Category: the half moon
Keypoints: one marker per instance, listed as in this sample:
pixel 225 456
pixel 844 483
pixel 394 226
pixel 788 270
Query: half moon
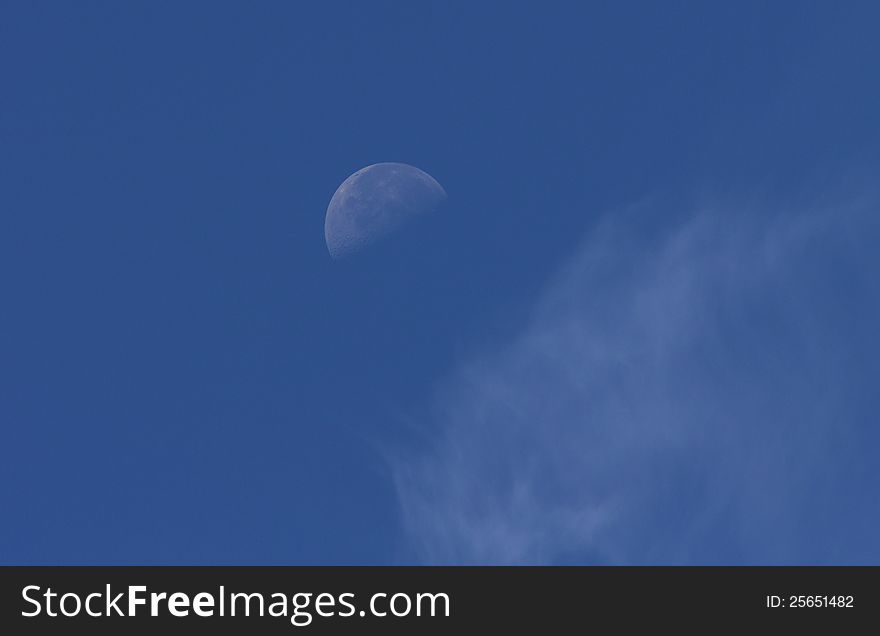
pixel 375 202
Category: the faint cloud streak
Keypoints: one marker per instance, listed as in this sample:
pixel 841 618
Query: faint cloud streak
pixel 673 398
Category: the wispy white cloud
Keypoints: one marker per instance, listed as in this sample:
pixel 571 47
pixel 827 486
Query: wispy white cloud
pixel 674 398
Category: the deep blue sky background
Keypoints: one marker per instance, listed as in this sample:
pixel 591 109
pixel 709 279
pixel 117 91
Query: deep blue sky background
pixel 185 375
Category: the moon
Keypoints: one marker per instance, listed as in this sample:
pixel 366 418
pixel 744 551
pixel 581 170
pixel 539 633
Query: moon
pixel 375 202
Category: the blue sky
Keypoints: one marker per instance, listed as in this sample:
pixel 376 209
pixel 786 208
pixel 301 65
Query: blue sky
pixel 642 330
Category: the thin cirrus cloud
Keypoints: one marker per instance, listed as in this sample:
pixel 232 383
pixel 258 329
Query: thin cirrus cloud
pixel 691 395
